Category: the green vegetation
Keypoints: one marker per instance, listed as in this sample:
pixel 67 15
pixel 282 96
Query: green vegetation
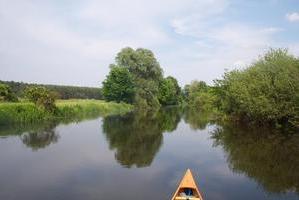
pixel 169 92
pixel 25 112
pixel 267 91
pixel 64 92
pixel 41 97
pixel 6 94
pixel 200 96
pixel 119 85
pixel 140 81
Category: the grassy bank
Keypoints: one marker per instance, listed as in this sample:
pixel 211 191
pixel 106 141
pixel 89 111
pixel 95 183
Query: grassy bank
pixel 25 112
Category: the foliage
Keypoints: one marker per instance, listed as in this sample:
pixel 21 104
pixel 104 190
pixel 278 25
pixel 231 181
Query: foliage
pixel 146 95
pixel 64 92
pixel 29 113
pixel 195 88
pixel 147 77
pixel 267 91
pixel 119 85
pixel 200 96
pixel 169 92
pixel 141 63
pixel 41 97
pixel 185 92
pixel 90 108
pixel 6 94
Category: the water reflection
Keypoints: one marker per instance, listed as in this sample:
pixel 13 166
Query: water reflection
pixel 196 119
pixel 81 157
pixel 271 158
pixel 34 136
pixel 40 138
pixel 137 137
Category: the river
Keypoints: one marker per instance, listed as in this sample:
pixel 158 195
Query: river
pixel 143 156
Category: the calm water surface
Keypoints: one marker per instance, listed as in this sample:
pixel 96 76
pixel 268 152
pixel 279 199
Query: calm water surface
pixel 144 156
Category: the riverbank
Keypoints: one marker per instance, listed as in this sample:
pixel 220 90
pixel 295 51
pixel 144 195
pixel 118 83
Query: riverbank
pixel 25 112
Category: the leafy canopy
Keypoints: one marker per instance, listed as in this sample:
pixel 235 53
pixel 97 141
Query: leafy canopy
pixel 119 85
pixel 147 77
pixel 169 91
pixel 268 90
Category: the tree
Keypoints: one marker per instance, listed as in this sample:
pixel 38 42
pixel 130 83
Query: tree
pixel 141 63
pixel 169 91
pixel 267 91
pixel 42 97
pixel 119 85
pixel 146 73
pixel 6 94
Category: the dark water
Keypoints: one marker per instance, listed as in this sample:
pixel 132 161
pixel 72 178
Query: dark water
pixel 143 156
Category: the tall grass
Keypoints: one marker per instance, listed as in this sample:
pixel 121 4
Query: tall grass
pixel 24 112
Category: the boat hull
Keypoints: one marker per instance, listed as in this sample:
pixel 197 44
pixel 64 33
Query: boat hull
pixel 187 188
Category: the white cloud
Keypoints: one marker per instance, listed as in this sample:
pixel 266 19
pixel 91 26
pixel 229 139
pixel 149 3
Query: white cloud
pixel 42 40
pixel 226 46
pixel 293 17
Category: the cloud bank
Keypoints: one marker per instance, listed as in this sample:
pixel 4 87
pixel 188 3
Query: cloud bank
pixel 73 42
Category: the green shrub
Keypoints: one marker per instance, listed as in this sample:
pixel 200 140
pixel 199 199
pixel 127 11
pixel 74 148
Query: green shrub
pixel 6 94
pixel 267 91
pixel 41 97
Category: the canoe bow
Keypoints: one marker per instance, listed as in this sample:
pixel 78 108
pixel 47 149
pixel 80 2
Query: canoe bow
pixel 187 182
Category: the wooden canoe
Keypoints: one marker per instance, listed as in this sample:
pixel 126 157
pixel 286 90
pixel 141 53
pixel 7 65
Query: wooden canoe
pixel 187 185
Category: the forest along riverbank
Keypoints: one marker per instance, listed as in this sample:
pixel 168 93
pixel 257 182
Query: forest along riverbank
pixel 26 112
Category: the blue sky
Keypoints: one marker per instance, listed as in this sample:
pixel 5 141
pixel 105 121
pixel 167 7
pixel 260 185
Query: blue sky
pixel 73 42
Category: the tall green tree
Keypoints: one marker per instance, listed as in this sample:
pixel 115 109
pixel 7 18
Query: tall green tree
pixel 146 74
pixel 119 85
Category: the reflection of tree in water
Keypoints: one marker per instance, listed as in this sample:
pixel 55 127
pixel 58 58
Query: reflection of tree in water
pixel 197 119
pixel 169 118
pixel 41 137
pixel 268 157
pixel 137 137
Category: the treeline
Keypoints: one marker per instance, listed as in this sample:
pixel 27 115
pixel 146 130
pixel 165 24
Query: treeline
pixel 266 92
pixel 63 92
